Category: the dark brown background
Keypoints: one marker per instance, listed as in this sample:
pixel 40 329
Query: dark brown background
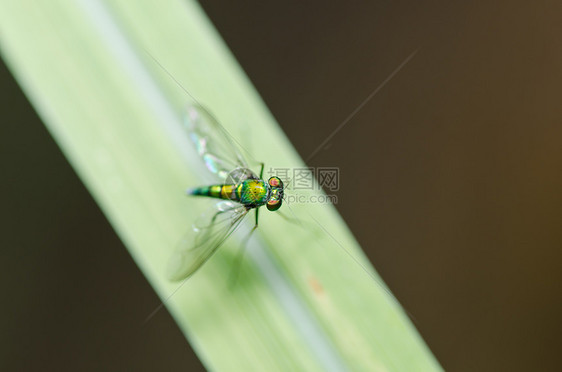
pixel 451 182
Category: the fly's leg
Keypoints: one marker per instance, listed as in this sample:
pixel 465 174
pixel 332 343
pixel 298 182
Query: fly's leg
pixel 261 178
pixel 235 271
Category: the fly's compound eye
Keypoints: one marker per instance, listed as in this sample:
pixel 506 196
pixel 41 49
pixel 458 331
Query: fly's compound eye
pixel 276 196
pixel 275 182
pixel 274 204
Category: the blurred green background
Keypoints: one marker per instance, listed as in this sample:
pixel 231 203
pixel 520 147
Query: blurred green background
pixel 450 180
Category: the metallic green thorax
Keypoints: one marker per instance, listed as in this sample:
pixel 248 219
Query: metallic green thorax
pixel 250 192
pixel 253 192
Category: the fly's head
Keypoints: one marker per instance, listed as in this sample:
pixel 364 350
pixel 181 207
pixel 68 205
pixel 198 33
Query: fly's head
pixel 275 193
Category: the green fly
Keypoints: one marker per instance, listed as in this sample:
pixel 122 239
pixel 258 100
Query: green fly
pixel 239 189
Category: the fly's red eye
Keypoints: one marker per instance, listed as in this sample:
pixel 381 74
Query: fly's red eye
pixel 273 182
pixel 274 204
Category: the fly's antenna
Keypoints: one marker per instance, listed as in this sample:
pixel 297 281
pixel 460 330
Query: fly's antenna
pixel 195 100
pixel 171 76
pixel 286 187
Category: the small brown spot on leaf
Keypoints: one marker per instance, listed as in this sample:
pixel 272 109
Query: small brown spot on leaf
pixel 315 285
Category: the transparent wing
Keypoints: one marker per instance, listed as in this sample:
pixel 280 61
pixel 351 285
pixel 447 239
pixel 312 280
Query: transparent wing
pixel 208 234
pixel 238 175
pixel 215 146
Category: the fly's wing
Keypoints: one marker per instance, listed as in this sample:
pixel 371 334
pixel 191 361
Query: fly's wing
pixel 215 146
pixel 238 175
pixel 208 234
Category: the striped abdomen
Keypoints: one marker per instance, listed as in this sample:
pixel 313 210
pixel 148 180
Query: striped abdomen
pixel 250 192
